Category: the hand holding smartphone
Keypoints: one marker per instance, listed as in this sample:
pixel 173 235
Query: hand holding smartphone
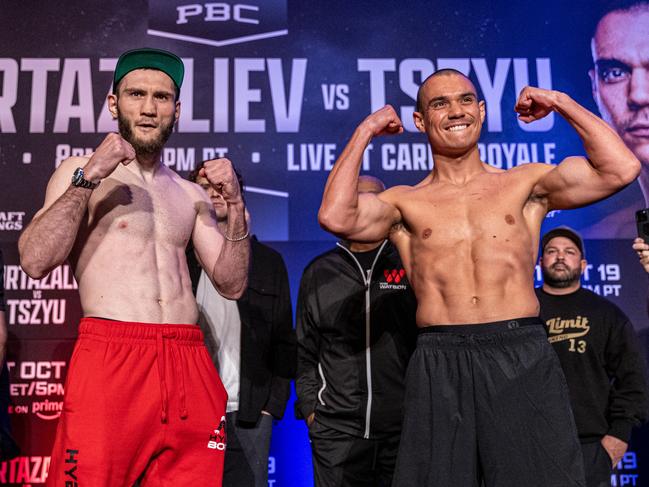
pixel 642 222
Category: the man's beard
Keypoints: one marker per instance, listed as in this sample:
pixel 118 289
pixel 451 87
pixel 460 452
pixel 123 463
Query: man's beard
pixel 143 148
pixel 560 280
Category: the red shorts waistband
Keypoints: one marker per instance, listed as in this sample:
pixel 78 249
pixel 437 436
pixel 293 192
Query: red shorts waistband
pixel 100 327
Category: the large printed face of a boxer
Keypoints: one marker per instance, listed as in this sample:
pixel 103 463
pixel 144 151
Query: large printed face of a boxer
pixel 451 114
pixel 620 78
pixel 561 263
pixel 146 109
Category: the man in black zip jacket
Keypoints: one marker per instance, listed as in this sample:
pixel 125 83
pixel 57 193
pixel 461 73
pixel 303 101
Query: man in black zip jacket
pixel 599 354
pixel 356 331
pixel 252 343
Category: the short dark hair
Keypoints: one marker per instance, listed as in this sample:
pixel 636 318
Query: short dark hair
pixel 605 7
pixel 439 72
pixel 193 176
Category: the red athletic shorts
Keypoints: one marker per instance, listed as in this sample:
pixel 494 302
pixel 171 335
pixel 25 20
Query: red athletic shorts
pixel 141 400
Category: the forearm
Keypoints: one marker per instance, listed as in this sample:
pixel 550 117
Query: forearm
pixel 230 272
pixel 338 210
pixel 48 239
pixel 606 151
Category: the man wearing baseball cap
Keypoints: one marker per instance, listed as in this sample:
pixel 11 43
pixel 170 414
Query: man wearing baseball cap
pixel 143 399
pixel 599 355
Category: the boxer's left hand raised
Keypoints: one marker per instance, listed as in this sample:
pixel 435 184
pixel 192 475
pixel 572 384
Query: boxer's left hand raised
pixel 535 103
pixel 221 175
pixel 384 121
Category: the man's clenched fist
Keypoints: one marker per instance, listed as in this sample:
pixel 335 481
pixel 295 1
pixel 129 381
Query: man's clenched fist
pixel 221 175
pixel 112 151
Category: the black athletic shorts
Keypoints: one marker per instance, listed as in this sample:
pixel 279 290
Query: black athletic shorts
pixel 487 404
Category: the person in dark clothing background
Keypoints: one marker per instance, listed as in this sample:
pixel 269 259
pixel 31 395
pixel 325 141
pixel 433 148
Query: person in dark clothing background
pixel 8 446
pixel 599 353
pixel 252 343
pixel 356 331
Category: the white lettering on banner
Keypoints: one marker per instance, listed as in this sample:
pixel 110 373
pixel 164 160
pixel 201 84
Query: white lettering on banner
pixel 312 157
pixel 605 289
pixel 36 388
pixel 604 273
pixel 11 220
pixel 186 123
pixel 544 80
pixel 61 278
pixel 76 78
pixel 218 12
pixel 63 151
pixel 254 79
pixel 335 96
pixel 106 122
pixel 492 90
pixel 287 116
pixel 492 87
pixel 24 470
pixel 621 475
pixel 213 153
pixel 410 86
pixel 508 155
pixel 40 379
pixel 180 158
pixel 406 157
pixel 47 409
pixel 9 94
pixel 37 370
pixel 36 311
pixel 415 156
pixel 377 69
pixel 39 69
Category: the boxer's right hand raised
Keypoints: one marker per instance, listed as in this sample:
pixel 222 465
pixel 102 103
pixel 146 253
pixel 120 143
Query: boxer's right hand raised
pixel 383 122
pixel 112 151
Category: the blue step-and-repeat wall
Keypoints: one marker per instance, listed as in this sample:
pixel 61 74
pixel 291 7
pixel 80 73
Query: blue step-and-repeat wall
pixel 278 86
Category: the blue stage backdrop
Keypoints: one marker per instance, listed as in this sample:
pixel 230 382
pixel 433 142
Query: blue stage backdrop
pixel 278 86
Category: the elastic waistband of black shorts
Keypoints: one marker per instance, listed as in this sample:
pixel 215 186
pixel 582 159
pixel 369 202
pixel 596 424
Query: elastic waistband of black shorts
pixel 483 328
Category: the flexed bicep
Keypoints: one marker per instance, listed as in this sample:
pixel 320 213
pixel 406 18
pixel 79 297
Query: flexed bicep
pixel 574 183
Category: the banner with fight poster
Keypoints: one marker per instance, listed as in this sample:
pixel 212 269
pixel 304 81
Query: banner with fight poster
pixel 278 87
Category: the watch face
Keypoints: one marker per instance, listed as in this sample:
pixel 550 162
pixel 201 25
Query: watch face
pixel 77 177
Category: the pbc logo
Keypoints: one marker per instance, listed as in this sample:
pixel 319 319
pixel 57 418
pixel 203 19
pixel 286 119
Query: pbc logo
pixel 217 440
pixel 218 23
pixel 394 275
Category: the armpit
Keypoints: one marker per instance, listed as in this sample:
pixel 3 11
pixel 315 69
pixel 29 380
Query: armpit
pixel 398 227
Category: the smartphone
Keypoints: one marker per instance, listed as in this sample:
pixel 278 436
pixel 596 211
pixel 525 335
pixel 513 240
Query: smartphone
pixel 642 222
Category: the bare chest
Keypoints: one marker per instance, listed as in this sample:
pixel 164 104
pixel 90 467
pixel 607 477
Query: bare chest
pixel 446 216
pixel 136 212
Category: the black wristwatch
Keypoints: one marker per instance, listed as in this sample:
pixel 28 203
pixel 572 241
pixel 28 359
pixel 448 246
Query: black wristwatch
pixel 79 181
